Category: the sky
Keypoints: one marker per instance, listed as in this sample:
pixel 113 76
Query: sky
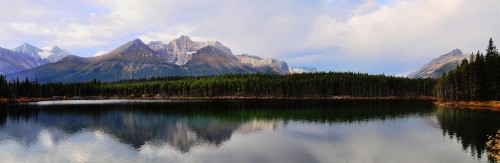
pixel 393 37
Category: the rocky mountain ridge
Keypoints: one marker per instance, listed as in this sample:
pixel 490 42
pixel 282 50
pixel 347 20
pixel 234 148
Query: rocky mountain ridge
pixel 134 60
pixel 438 66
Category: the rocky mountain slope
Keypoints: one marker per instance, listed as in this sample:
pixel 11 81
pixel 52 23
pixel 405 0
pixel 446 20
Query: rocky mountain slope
pixel 437 66
pixel 267 65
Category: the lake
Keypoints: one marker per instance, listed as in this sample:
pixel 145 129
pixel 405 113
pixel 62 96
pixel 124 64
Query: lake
pixel 244 131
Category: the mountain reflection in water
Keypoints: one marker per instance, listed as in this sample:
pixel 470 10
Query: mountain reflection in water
pixel 185 131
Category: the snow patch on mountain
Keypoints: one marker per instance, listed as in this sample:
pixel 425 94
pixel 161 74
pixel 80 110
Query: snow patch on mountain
pixel 45 53
pixel 99 53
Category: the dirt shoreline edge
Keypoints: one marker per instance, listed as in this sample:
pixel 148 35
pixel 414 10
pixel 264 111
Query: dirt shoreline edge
pixel 60 98
pixel 495 105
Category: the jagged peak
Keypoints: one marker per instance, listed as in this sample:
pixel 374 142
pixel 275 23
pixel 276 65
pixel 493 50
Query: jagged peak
pixel 452 54
pixel 251 56
pixel 137 40
pixel 456 52
pixel 184 37
pixel 26 46
pixel 133 43
pixel 155 42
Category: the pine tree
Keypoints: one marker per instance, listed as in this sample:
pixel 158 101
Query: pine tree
pixel 492 73
pixel 479 90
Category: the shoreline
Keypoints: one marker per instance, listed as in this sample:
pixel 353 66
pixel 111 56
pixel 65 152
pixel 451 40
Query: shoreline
pixel 493 105
pixel 63 98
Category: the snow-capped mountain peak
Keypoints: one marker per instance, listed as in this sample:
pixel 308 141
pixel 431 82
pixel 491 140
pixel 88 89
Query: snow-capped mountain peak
pixel 28 49
pixel 43 55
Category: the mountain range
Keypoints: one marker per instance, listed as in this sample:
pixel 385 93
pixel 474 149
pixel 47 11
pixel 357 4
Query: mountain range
pixel 179 57
pixel 444 63
pixel 135 60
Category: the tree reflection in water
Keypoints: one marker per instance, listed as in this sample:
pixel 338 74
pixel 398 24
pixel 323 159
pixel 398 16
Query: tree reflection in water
pixel 470 127
pixel 184 126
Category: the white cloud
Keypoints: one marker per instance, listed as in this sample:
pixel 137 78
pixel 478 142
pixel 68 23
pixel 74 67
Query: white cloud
pixel 410 32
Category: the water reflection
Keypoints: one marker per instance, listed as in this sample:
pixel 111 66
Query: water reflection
pixel 470 127
pixel 236 131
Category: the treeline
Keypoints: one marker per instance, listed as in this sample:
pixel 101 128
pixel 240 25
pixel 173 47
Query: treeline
pixel 476 79
pixel 313 85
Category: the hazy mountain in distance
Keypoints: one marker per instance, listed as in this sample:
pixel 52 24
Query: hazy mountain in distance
pixel 444 63
pixel 28 56
pixel 265 65
pixel 11 61
pixel 299 70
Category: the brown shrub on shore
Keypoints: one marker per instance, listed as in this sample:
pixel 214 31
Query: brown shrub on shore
pixel 493 146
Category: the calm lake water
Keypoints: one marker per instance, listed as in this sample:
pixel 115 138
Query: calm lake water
pixel 244 131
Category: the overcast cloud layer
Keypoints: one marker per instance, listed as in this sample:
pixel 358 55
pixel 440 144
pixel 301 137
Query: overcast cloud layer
pixel 374 36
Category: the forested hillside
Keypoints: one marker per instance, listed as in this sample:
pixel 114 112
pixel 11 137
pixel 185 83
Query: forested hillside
pixel 475 80
pixel 311 85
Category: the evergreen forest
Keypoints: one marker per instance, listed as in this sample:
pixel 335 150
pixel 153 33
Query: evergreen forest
pixel 308 85
pixel 476 79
